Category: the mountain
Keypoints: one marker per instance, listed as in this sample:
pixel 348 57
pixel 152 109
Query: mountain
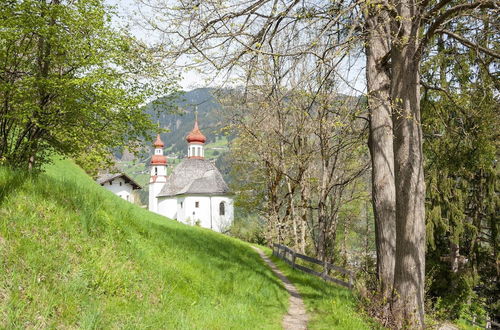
pixel 180 121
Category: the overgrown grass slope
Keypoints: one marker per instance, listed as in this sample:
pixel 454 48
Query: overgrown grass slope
pixel 74 255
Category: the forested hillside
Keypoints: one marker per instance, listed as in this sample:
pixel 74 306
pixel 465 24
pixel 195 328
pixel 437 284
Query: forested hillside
pixel 179 121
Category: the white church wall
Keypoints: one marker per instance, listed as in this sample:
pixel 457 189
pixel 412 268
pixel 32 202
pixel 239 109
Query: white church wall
pixel 197 210
pixel 120 188
pixel 154 190
pixel 181 209
pixel 222 222
pixel 156 186
pixel 204 211
pixel 168 207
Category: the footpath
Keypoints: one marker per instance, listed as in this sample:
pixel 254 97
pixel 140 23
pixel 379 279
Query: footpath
pixel 296 318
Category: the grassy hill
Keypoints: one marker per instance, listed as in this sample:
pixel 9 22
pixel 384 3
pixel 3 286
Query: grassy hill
pixel 74 255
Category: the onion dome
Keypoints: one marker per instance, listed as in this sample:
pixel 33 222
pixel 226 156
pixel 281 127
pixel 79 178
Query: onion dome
pixel 158 142
pixel 196 135
pixel 158 160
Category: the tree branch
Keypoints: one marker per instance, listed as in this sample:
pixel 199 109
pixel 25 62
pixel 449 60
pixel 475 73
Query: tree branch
pixel 450 13
pixel 468 43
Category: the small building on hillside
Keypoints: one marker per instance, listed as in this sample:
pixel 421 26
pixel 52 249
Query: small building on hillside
pixel 121 185
pixel 195 193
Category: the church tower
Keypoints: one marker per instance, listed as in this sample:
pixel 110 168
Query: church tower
pixel 158 174
pixel 196 141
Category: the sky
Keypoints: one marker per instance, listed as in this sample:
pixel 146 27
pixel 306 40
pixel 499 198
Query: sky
pixel 128 11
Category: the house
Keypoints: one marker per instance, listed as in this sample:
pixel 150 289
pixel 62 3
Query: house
pixel 120 184
pixel 195 193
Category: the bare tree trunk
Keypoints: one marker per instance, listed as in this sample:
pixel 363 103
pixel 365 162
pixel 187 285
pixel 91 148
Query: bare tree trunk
pixel 381 148
pixel 293 213
pixel 408 304
pixel 306 212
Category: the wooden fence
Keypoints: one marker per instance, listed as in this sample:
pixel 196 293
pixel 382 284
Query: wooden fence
pixel 290 257
pixel 489 324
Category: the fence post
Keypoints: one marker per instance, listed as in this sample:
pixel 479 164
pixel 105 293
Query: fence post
pixel 325 270
pixel 293 259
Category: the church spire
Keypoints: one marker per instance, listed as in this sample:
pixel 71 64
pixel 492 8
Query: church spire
pixel 158 175
pixel 158 157
pixel 196 140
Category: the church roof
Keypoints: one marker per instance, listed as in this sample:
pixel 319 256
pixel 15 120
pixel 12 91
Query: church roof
pixel 194 176
pixel 103 178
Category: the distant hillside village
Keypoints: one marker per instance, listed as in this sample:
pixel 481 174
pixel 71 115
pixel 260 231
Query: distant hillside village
pixel 194 193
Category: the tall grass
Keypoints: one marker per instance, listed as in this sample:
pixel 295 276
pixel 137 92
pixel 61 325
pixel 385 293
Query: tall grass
pixel 74 255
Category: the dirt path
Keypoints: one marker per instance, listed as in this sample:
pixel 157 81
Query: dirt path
pixel 296 318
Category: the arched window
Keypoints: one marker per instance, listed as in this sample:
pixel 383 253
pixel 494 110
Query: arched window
pixel 222 208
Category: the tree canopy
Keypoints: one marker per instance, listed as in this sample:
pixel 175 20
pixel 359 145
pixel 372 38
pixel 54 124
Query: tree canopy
pixel 71 83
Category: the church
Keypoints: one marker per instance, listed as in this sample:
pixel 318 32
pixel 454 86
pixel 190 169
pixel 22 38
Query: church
pixel 195 193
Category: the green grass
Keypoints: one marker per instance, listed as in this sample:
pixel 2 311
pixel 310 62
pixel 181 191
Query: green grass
pixel 73 255
pixel 329 306
pixel 466 325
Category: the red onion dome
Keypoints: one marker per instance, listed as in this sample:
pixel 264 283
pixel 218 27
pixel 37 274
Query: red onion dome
pixel 158 142
pixel 196 135
pixel 158 160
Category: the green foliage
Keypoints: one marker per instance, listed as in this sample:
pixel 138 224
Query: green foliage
pixel 461 150
pixel 74 255
pixel 250 229
pixel 71 83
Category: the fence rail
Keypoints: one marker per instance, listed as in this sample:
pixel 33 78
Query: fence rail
pixel 289 256
pixel 489 323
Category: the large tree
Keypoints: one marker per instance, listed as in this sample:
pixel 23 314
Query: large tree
pixel 70 83
pixel 396 35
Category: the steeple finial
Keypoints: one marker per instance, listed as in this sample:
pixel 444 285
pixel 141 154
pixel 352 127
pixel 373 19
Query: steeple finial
pixel 196 135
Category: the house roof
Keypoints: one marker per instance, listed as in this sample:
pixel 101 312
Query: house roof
pixel 103 178
pixel 194 176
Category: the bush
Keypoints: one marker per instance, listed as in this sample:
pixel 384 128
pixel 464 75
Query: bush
pixel 249 229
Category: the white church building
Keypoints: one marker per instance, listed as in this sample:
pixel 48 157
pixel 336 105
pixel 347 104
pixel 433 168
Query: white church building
pixel 195 192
